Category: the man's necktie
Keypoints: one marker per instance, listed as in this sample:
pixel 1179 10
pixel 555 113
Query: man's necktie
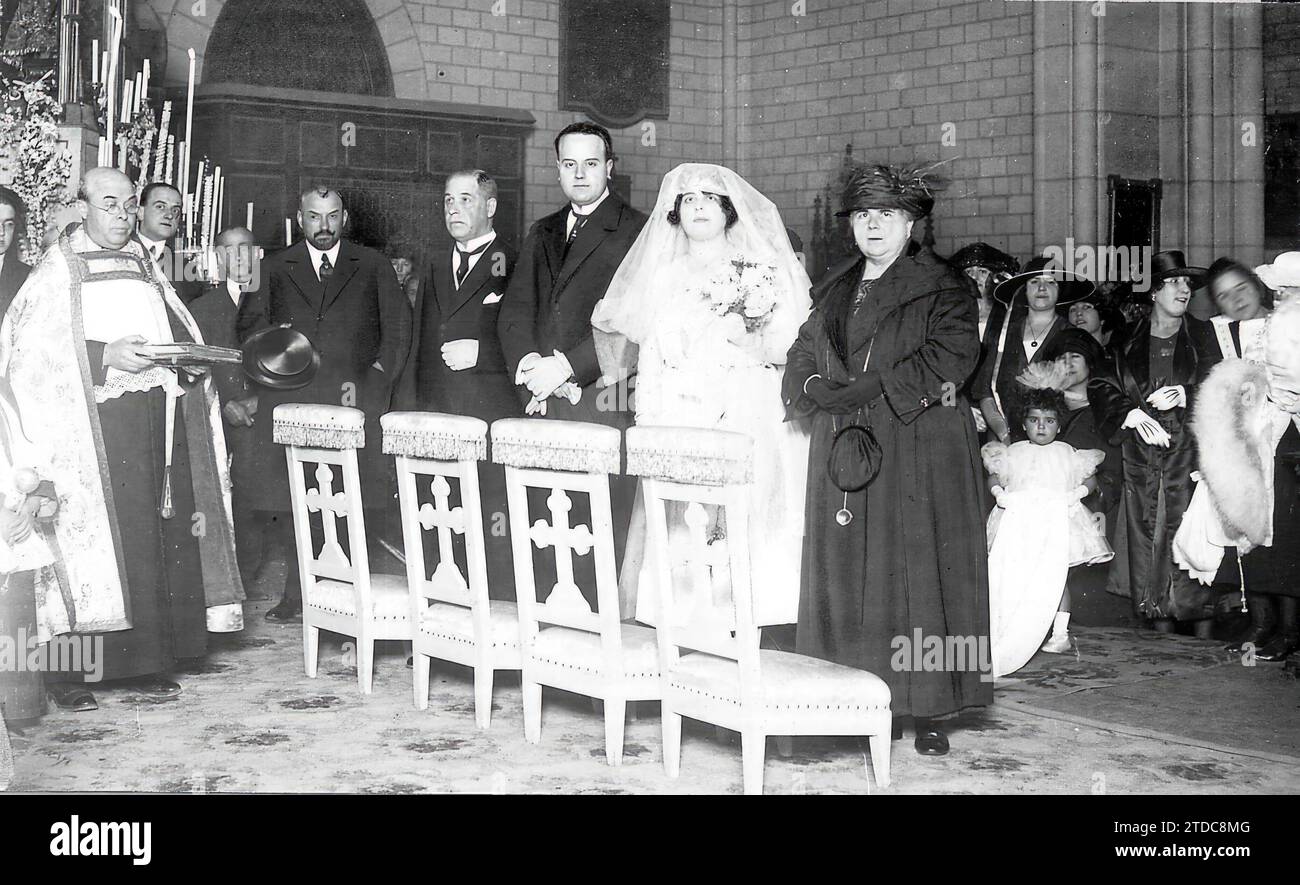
pixel 326 269
pixel 578 222
pixel 462 261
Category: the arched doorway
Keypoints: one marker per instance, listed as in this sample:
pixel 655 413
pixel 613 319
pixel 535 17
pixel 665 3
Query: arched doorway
pixel 321 45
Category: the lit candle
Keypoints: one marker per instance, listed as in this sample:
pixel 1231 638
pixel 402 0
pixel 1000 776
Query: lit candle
pixel 144 77
pixel 163 139
pixel 248 217
pixel 94 61
pixel 288 232
pixel 189 120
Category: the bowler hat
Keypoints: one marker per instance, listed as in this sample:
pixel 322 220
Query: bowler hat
pixel 1173 263
pixel 281 358
pixel 1071 287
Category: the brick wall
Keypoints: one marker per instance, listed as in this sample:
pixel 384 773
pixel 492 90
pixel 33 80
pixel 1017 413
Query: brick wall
pixel 892 77
pixel 1281 59
pixel 474 57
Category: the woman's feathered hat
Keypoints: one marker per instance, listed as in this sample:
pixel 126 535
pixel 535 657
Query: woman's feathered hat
pixel 910 187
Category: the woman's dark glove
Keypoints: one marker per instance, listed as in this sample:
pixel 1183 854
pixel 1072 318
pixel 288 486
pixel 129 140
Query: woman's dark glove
pixel 841 399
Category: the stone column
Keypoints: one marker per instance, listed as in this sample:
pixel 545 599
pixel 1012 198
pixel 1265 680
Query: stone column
pixel 1248 133
pixel 1084 110
pixel 1199 113
pixel 730 88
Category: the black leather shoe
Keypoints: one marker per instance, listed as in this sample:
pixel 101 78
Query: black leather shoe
pixel 1257 636
pixel 896 731
pixel 284 610
pixel 155 686
pixel 73 698
pixel 1278 649
pixel 931 742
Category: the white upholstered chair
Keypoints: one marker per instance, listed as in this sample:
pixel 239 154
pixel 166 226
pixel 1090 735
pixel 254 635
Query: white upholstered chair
pixel 338 592
pixel 453 617
pixel 713 668
pixel 566 644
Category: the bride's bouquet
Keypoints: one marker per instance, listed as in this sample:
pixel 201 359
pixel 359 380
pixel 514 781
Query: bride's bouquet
pixel 748 290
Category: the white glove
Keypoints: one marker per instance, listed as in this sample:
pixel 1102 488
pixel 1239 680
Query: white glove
pixel 1148 429
pixel 1080 492
pixel 999 495
pixel 460 354
pixel 536 407
pixel 545 374
pixel 1166 398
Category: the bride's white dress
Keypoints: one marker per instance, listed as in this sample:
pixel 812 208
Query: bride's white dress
pixel 690 374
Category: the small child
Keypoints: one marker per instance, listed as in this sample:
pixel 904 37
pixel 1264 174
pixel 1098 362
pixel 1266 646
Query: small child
pixel 1038 530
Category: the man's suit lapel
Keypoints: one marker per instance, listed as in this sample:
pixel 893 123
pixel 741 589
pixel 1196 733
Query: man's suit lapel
pixel 601 223
pixel 303 275
pixel 550 232
pixel 348 265
pixel 480 275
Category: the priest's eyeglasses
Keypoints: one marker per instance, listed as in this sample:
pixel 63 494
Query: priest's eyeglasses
pixel 114 208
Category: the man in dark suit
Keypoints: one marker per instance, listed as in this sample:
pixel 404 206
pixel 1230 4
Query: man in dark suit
pixel 216 309
pixel 159 221
pixel 344 297
pixel 565 266
pixel 13 273
pixel 457 365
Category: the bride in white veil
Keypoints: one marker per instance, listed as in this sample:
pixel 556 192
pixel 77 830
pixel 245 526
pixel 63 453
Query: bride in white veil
pixel 703 310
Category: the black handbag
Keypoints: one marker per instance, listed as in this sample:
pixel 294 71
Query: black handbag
pixel 855 454
pixel 854 458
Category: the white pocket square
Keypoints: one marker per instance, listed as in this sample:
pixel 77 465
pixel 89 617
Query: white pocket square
pixel 492 298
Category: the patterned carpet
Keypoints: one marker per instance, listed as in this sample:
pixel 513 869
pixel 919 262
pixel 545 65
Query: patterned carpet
pixel 250 720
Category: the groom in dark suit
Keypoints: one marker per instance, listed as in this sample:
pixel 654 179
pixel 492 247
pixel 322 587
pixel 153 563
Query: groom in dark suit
pixel 565 265
pixel 456 363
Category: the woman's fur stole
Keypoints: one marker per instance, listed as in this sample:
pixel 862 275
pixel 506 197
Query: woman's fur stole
pixel 1231 425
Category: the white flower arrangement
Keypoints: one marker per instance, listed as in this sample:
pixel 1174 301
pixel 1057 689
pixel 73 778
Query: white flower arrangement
pixel 748 291
pixel 29 137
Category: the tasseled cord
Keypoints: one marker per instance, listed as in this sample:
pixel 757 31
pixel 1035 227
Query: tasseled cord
pixel 1241 574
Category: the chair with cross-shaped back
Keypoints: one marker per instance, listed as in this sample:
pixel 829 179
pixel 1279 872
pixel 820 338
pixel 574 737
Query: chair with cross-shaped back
pixel 453 617
pixel 565 643
pixel 695 484
pixel 339 593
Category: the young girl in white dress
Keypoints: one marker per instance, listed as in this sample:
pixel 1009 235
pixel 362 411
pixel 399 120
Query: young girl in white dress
pixel 704 309
pixel 1039 529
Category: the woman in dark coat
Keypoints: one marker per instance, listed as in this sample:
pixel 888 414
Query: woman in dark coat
pixel 891 343
pixel 1142 402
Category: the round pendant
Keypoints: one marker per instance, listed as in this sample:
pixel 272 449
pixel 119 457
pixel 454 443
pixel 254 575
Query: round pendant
pixel 843 516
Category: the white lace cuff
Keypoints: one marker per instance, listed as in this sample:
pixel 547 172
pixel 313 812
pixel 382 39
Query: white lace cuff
pixel 117 382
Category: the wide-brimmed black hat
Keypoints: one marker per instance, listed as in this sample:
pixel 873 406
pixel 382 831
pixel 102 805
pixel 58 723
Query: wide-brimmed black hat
pixel 986 256
pixel 1071 287
pixel 1173 263
pixel 280 358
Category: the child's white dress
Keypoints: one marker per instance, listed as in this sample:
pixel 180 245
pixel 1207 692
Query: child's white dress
pixel 1039 531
